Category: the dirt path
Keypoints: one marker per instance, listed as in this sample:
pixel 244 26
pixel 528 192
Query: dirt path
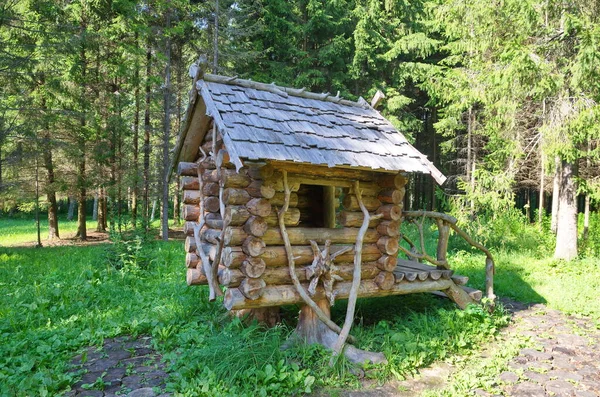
pixel 564 360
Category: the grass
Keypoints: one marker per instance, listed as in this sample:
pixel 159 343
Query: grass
pixel 55 301
pixel 16 231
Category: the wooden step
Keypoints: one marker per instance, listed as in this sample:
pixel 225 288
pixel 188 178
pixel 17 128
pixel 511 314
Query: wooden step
pixel 475 294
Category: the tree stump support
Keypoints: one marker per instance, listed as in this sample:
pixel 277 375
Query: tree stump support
pixel 314 321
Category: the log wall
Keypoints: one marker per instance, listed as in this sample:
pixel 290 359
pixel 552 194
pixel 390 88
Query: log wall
pixel 253 258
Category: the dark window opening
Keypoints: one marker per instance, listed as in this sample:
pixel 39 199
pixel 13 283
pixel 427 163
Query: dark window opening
pixel 313 214
pixel 321 204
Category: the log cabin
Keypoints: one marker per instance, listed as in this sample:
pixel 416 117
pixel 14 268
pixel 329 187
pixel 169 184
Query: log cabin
pixel 292 197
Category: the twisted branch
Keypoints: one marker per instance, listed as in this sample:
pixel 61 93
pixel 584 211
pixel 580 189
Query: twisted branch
pixel 356 276
pixel 292 265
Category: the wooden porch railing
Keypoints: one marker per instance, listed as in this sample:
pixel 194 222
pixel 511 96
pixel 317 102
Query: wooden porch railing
pixel 444 224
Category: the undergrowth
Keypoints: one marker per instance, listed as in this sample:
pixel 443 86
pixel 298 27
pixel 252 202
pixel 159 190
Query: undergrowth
pixel 51 308
pixel 54 302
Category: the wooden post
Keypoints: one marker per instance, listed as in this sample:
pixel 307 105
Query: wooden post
pixel 329 206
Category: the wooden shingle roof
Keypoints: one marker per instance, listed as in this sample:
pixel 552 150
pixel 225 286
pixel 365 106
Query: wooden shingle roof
pixel 267 122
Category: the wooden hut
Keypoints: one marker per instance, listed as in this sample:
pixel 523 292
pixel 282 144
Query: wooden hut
pixel 293 197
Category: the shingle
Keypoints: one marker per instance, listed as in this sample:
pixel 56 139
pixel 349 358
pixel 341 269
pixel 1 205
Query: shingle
pixel 266 125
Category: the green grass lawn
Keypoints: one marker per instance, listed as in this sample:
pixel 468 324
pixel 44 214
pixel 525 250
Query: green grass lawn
pixel 55 301
pixel 15 232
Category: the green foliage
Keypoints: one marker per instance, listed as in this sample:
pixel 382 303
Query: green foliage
pixel 130 252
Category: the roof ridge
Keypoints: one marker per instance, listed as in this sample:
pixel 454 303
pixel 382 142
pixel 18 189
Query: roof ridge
pixel 284 91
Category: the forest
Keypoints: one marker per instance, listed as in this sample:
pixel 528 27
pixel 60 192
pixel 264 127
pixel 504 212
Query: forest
pixel 502 96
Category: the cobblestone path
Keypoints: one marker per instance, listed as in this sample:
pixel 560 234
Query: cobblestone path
pixel 565 361
pixel 122 367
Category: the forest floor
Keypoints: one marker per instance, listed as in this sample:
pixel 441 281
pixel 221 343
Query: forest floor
pixel 563 360
pixel 116 319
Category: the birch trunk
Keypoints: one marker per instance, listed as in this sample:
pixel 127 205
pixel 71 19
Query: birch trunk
pixel 566 230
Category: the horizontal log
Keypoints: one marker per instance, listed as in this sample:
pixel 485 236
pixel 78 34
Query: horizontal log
pixel 230 178
pixel 394 181
pixel 191 197
pixel 256 226
pixel 259 207
pixel 260 189
pixel 387 263
pixel 211 204
pixel 253 246
pixel 280 295
pixel 209 249
pixel 431 271
pixel 391 212
pixel 187 169
pixel 385 280
pixel 237 214
pixel 252 267
pixel 235 196
pixel 259 172
pixel 252 288
pixel 192 260
pixel 302 236
pixel 212 236
pixel 391 196
pixel 388 245
pixel 213 220
pixel 460 280
pixel 290 218
pixel 324 171
pixel 196 277
pixel 190 212
pixel 389 228
pixel 281 275
pixel 355 219
pixel 350 203
pixel 278 199
pixel 275 256
pixel 189 183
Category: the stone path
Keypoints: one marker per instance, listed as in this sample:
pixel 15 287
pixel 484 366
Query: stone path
pixel 565 360
pixel 122 367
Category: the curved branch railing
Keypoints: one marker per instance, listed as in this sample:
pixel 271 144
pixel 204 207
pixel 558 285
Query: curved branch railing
pixel 444 223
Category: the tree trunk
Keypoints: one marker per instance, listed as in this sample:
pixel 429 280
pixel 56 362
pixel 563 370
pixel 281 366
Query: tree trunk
pixel 37 204
pixel 95 209
pixel 586 217
pixel 136 138
pixel 154 202
pixel 555 194
pixel 101 226
pixel 147 127
pixel 166 135
pixel 71 210
pixel 50 192
pixel 312 330
pixel 528 205
pixel 542 175
pixel 81 175
pixel 216 40
pixel 566 230
pixel 81 172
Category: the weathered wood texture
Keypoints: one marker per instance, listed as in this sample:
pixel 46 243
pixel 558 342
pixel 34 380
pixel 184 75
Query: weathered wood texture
pixel 287 295
pixel 301 236
pixel 281 275
pixel 274 256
